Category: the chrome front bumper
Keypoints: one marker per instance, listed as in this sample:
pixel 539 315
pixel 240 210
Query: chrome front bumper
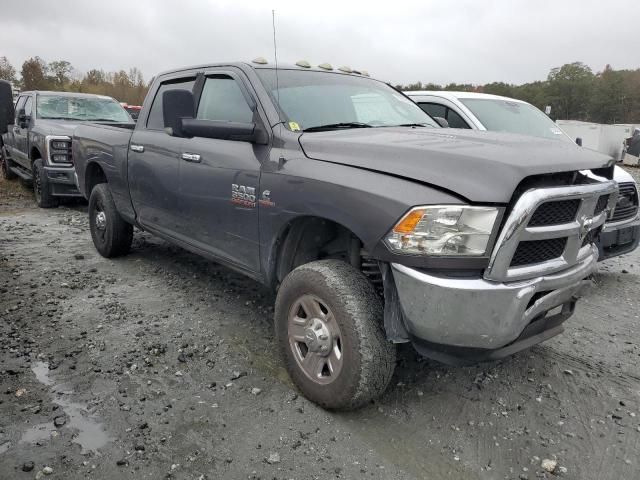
pixel 479 313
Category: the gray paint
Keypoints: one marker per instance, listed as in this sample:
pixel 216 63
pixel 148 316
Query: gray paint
pixel 479 166
pixel 21 142
pixel 363 179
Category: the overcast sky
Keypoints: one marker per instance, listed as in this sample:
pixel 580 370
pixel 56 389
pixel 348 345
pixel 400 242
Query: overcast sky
pixel 466 41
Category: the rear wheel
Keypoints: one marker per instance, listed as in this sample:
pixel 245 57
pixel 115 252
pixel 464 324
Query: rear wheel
pixel 111 234
pixel 328 323
pixel 6 164
pixel 42 187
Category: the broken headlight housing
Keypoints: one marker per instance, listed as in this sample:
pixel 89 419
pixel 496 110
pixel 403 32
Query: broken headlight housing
pixel 445 230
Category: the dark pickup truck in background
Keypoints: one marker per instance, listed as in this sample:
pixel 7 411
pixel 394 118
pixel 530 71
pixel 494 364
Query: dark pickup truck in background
pixel 37 144
pixel 374 225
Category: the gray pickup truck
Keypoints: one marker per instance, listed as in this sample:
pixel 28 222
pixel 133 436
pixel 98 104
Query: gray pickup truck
pixel 374 225
pixel 37 144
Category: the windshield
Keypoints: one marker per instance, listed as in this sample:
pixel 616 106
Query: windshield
pixel 96 109
pixel 515 117
pixel 314 100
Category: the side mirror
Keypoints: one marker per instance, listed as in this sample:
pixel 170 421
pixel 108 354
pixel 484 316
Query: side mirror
pixel 178 110
pixel 579 141
pixel 23 120
pixel 7 113
pixel 442 122
pixel 176 106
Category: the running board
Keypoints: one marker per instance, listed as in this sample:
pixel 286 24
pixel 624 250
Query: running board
pixel 23 174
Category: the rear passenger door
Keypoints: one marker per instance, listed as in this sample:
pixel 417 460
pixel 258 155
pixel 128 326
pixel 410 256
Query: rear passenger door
pixel 153 165
pixel 220 179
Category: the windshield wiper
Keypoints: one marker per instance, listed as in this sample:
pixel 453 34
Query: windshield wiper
pixel 100 120
pixel 411 125
pixel 56 118
pixel 332 126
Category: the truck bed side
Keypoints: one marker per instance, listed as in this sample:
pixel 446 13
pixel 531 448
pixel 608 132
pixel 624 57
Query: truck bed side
pixel 100 154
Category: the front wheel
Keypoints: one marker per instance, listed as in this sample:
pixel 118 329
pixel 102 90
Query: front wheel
pixel 329 326
pixel 111 234
pixel 42 187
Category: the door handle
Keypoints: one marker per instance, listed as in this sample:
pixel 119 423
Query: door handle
pixel 137 148
pixel 191 157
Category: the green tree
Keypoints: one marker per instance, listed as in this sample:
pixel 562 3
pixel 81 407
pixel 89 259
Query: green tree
pixel 7 72
pixel 606 103
pixel 34 74
pixel 499 88
pixel 569 88
pixel 60 72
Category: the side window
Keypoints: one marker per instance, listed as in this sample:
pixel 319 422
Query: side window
pixel 434 109
pixel 455 120
pixel 155 121
pixel 28 106
pixel 223 100
pixel 20 105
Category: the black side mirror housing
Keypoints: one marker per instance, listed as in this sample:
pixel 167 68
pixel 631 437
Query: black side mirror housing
pixel 7 113
pixel 442 122
pixel 176 106
pixel 23 120
pixel 579 141
pixel 178 111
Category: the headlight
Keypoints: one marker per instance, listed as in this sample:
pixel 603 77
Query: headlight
pixel 59 144
pixel 444 230
pixel 60 150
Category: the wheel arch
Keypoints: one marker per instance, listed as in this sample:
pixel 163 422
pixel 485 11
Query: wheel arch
pixel 308 238
pixel 94 175
pixel 35 154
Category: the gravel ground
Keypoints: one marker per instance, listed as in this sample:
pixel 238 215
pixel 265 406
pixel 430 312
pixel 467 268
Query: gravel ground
pixel 162 365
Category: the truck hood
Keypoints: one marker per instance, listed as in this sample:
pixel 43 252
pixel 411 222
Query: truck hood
pixel 57 127
pixel 479 166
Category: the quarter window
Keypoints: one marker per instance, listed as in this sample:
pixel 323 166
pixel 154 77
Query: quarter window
pixel 223 100
pixel 156 120
pixel 434 109
pixel 455 120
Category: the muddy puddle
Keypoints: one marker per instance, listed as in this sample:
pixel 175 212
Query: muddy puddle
pixel 90 434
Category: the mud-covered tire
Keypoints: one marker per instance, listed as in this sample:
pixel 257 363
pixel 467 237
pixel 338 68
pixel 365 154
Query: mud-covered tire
pixel 368 359
pixel 5 165
pixel 111 234
pixel 42 187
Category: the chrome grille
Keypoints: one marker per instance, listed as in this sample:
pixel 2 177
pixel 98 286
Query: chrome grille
pixel 627 204
pixel 555 213
pixel 535 251
pixel 527 248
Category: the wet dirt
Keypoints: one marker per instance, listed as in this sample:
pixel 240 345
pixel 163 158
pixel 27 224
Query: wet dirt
pixel 153 360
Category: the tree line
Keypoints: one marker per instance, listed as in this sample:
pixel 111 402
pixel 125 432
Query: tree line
pixel 572 91
pixel 59 75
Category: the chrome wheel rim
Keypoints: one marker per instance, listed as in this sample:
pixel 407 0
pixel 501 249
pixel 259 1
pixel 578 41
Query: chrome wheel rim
pixel 100 222
pixel 315 339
